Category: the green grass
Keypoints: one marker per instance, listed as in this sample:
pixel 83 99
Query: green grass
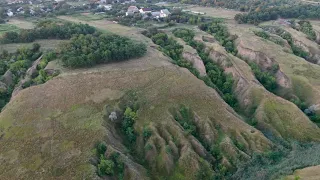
pixel 89 17
pixel 45 45
pixel 7 27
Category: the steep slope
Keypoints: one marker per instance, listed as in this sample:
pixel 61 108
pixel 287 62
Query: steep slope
pixel 273 114
pixel 296 76
pixel 49 131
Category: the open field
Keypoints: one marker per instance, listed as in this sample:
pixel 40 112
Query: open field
pixel 22 24
pixel 209 11
pixel 89 16
pixel 45 44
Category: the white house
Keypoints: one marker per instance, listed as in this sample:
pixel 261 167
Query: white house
pixel 164 13
pixel 107 7
pixel 145 10
pixel 9 13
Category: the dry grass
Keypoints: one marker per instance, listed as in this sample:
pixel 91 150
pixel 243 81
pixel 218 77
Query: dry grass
pixel 22 24
pixel 310 173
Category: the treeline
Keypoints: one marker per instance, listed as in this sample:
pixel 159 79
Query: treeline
pixel 242 5
pixel 220 32
pixel 171 48
pixel 88 50
pixel 47 30
pixel 181 17
pixel 216 78
pixel 273 13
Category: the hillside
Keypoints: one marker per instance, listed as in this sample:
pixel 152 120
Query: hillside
pixel 204 99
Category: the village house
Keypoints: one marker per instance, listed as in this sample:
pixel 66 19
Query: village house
pixel 145 10
pixel 131 10
pixel 155 14
pixel 10 13
pixel 164 13
pixel 107 7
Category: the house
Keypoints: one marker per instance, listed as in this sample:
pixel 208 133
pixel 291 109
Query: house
pixel 20 9
pixel 103 1
pixel 9 13
pixel 107 7
pixel 131 10
pixel 155 14
pixel 164 13
pixel 145 10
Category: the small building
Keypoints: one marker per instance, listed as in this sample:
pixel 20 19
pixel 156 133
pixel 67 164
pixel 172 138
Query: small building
pixel 103 1
pixel 145 10
pixel 131 10
pixel 107 7
pixel 164 13
pixel 10 13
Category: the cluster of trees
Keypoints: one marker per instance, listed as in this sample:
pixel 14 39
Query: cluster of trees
pixel 47 30
pixel 309 111
pixel 171 48
pixel 17 63
pixel 112 165
pixel 267 79
pixel 127 124
pixel 242 5
pixel 305 27
pixel 216 78
pixel 180 17
pixel 221 33
pixel 273 13
pixel 42 76
pixel 186 34
pixel 88 50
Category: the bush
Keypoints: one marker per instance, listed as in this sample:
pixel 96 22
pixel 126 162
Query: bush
pixel 105 167
pixel 146 132
pixel 101 148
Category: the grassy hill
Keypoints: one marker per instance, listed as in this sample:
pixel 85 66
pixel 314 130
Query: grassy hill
pixel 183 129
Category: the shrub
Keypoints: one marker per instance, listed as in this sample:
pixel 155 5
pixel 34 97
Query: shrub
pixel 105 167
pixel 101 148
pixel 146 132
